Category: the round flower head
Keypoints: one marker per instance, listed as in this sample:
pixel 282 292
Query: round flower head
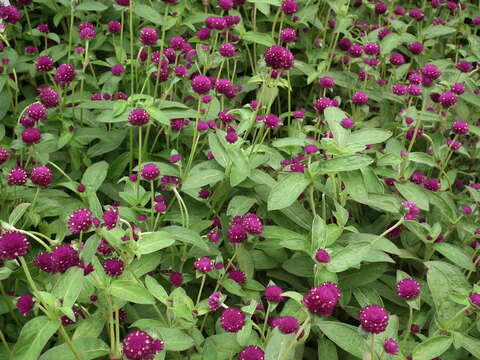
pixel 287 324
pixel 458 88
pixel 448 99
pixel 110 218
pixel 138 117
pixel 79 221
pixel 464 66
pixel 214 300
pixel 44 64
pixel 322 256
pixel 31 136
pixel 288 35
pixel 432 184
pixel 63 258
pixel 326 82
pixel 117 69
pixel 25 304
pixel 36 112
pixel 415 48
pixel 150 172
pixel 17 176
pixel 412 210
pixel 13 244
pixel 87 33
pixel 360 98
pixel 374 319
pixel 289 7
pixel 113 267
pixel 176 279
pixel 65 74
pixel 114 27
pixel 408 289
pixel 252 223
pixel 204 265
pixel 278 58
pixel 237 275
pixel 49 97
pixel 431 71
pixel 227 50
pixel 44 261
pixel 237 234
pixel 251 353
pixel 390 346
pixel 201 84
pixel 460 127
pixel 273 293
pixel 232 319
pixel 148 36
pixel 371 48
pixel 475 299
pixel 4 155
pixel 355 51
pixel 322 299
pixel 138 345
pixel 41 176
pixel 225 4
pixel 347 123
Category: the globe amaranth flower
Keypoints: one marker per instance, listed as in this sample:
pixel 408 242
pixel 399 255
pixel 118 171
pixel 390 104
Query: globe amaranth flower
pixel 13 244
pixel 104 248
pixel 31 136
pixel 322 299
pixel 138 117
pixel 326 82
pixel 360 98
pixel 322 256
pixel 355 51
pixel 347 123
pixel 204 265
pixel 431 184
pixel 475 299
pixel 49 97
pixel 374 319
pixel 44 262
pixel 201 84
pixel 79 221
pixel 417 178
pixel 138 345
pixel 390 346
pixel 278 58
pixel 41 176
pixel 148 36
pixel 4 155
pixel 114 27
pixel 64 75
pixel 324 102
pixel 273 293
pixel 227 50
pixel 415 48
pixel 237 234
pixel 63 258
pixel 215 300
pixel 251 353
pixel 431 71
pixel 113 267
pixel 110 217
pixel 448 99
pixel 44 64
pixel 408 289
pixel 17 176
pixel 150 172
pixel 25 304
pixel 176 279
pixel 371 48
pixel 232 319
pixel 288 35
pixel 117 69
pixel 289 7
pixel 412 210
pixel 252 223
pixel 88 33
pixel 286 324
pixel 460 127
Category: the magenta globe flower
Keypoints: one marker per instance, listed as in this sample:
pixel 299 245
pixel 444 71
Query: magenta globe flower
pixel 408 289
pixel 13 244
pixel 278 58
pixel 25 304
pixel 251 353
pixel 150 172
pixel 374 319
pixel 113 267
pixel 322 299
pixel 390 346
pixel 273 293
pixel 79 221
pixel 138 117
pixel 148 36
pixel 232 319
pixel 203 264
pixel 41 176
pixel 138 345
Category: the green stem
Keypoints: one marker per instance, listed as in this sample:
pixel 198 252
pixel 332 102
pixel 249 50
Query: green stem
pixel 132 66
pixel 399 222
pixel 186 220
pixel 409 324
pixel 4 341
pixel 372 346
pixel 67 339
pixel 204 276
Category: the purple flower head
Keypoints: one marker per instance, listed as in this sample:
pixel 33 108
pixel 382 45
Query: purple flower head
pixel 138 345
pixel 4 155
pixel 63 258
pixel 44 262
pixel 31 136
pixel 232 319
pixel 237 275
pixel 415 329
pixel 252 223
pixel 431 184
pixel 13 244
pixel 236 234
pixel 322 299
pixel 464 66
pixel 17 176
pixel 360 98
pixel 87 33
pixel 226 4
pixel 322 103
pixel 397 59
pixel 201 84
pixel 273 293
pixel 458 88
pixel 347 123
pixel 286 324
pixel 460 127
pixel 371 48
pixel 448 99
pixel 399 89
pixel 288 35
pixel 113 267
pixel 431 71
pixel 227 50
pixel 326 82
pixel 36 112
pixel 25 304
pixel 138 117
pixel 110 217
pixel 176 279
pixel 44 64
pixel 412 210
pixel 213 236
pixel 79 221
pixel 374 319
pixel 408 289
pixel 415 48
pixel 417 178
pixel 251 353
pixel 10 14
pixel 49 97
pixel 150 172
pixel 214 301
pixel 204 265
pixel 355 51
pixel 41 176
pixel 114 27
pixel 390 346
pixel 104 248
pixel 289 7
pixel 117 69
pixel 322 256
pixel 148 36
pixel 475 299
pixel 43 28
pixel 381 8
pixel 64 74
pixel 231 136
pixel 278 58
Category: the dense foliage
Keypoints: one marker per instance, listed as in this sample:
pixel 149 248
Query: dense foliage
pixel 231 179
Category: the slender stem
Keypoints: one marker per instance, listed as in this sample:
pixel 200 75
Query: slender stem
pixel 262 334
pixel 152 205
pixel 186 219
pixel 372 346
pixel 162 44
pixel 202 284
pixel 67 339
pixel 132 66
pixel 409 324
pixel 266 317
pixel 70 35
pixel 312 200
pixel 400 222
pixel 4 341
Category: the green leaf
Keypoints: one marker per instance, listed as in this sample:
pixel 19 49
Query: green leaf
pixel 334 117
pixel 348 257
pixel 327 349
pixel 319 232
pixel 344 335
pixel 175 340
pixel 434 31
pixel 148 13
pixel 188 236
pixel 287 191
pixel 278 347
pixel 201 178
pixel 129 291
pixel 259 38
pixel 156 289
pixel 89 348
pixel 240 168
pixel 91 6
pixel 345 163
pixel 151 242
pixel 17 213
pixel 367 137
pixel 422 158
pixel 472 345
pixel 456 255
pixel 217 149
pixel 95 175
pixel 432 347
pixel 239 205
pixel 70 286
pixel 33 337
pixel 412 192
